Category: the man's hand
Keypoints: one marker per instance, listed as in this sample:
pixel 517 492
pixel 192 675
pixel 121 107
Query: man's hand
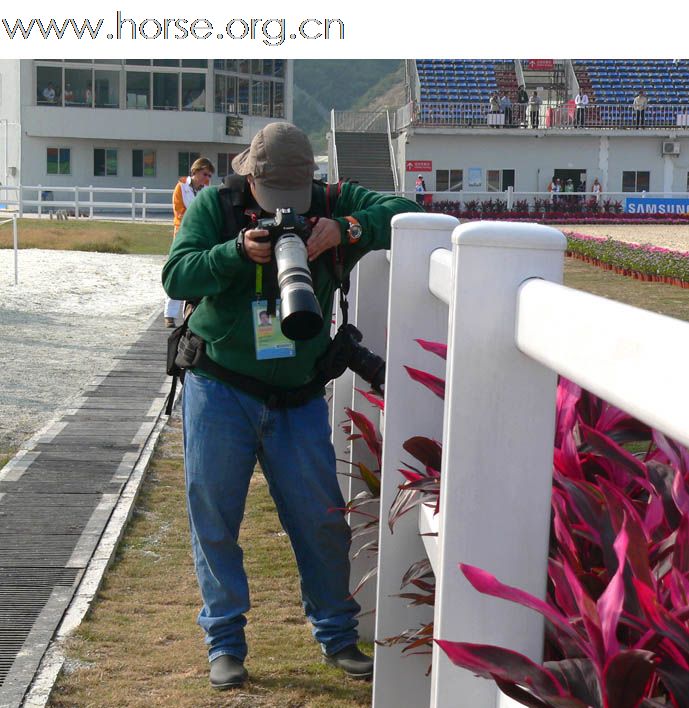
pixel 257 250
pixel 325 235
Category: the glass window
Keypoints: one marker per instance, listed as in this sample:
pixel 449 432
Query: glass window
pixel 449 180
pixel 243 66
pixel 629 181
pixel 456 180
pixel 636 181
pixel 493 180
pixel 193 92
pixel 166 92
pixel 49 85
pixel 78 87
pixel 143 163
pixel 58 161
pixel 279 67
pixel 225 164
pixel 166 62
pixel 278 109
pixel 138 62
pixel 184 162
pixel 260 98
pixel 197 63
pixel 108 61
pixel 138 89
pixel 104 162
pixel 243 97
pixel 107 89
pixel 225 94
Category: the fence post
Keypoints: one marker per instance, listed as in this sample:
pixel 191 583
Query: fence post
pixel 40 198
pixel 510 198
pixel 90 201
pixel 497 452
pixel 413 313
pixel 76 202
pixel 133 203
pixel 143 204
pixel 15 243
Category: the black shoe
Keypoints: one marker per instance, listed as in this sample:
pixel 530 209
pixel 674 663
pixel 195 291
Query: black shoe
pixel 227 672
pixel 353 662
pixel 170 322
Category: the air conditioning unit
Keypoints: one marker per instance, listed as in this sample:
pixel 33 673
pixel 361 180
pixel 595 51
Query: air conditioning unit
pixel 670 147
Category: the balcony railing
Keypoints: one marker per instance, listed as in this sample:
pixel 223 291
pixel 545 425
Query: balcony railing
pixel 563 117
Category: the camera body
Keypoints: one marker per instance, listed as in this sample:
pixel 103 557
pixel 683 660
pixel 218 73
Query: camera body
pixel 283 223
pixel 300 314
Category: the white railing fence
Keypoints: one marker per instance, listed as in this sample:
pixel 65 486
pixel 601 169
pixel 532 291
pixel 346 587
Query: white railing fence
pixel 510 325
pixel 135 203
pixel 597 116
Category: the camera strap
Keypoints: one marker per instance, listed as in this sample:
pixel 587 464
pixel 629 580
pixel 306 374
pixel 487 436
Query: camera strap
pixel 332 193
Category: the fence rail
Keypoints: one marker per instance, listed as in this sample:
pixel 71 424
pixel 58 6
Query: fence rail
pixel 600 116
pixel 135 203
pixel 492 291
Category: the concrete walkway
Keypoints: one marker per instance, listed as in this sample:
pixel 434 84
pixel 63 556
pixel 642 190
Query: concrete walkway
pixel 64 500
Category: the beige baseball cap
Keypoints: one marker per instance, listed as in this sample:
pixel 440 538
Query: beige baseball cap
pixel 280 159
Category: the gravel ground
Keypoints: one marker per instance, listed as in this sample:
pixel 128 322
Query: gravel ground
pixel 673 237
pixel 62 324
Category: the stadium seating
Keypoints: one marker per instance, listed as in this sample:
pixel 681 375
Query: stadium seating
pixel 617 81
pixel 463 80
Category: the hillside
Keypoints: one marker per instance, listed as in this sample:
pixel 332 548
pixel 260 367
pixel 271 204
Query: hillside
pixel 347 84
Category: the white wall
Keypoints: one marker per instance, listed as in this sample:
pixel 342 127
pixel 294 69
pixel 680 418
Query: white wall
pixel 535 154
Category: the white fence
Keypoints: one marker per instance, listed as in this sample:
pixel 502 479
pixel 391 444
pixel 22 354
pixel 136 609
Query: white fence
pixel 510 325
pixel 135 203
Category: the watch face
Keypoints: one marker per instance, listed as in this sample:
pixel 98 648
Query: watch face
pixel 355 232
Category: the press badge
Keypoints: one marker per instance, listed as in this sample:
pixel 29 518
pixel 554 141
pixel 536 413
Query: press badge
pixel 271 343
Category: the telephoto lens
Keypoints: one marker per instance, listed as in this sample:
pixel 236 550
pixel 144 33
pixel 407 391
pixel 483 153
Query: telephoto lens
pixel 300 313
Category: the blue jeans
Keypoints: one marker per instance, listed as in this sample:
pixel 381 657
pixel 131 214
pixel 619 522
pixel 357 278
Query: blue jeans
pixel 225 432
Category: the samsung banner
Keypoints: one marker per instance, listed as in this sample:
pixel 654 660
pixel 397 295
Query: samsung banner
pixel 654 205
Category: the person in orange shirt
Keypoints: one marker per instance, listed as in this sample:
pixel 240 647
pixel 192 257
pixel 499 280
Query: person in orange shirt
pixel 185 190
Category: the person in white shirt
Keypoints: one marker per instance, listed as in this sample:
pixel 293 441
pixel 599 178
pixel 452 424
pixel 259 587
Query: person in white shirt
pixel 581 101
pixel 639 106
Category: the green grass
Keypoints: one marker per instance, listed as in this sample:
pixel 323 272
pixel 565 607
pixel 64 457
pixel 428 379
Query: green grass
pixel 85 235
pixel 140 645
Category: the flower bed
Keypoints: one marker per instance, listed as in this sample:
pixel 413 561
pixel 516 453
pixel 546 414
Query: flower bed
pixel 566 210
pixel 641 261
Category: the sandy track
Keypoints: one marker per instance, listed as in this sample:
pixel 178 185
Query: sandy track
pixel 670 236
pixel 62 324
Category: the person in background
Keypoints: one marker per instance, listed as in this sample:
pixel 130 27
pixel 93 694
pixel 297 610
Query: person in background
pixel 493 107
pixel 534 108
pixel 69 94
pixel 506 108
pixel 49 94
pixel 522 101
pixel 420 189
pixel 185 191
pixel 639 105
pixel 597 190
pixel 581 101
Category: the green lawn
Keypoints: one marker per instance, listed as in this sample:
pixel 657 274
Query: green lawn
pixel 85 235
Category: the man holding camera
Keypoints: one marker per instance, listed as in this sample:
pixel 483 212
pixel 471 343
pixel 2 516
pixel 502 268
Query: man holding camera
pixel 245 400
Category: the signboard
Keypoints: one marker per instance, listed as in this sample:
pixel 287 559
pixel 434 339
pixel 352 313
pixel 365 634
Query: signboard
pixel 233 125
pixel 655 205
pixel 419 166
pixel 540 64
pixel 475 177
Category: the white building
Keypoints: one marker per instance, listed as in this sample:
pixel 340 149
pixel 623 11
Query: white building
pixel 135 122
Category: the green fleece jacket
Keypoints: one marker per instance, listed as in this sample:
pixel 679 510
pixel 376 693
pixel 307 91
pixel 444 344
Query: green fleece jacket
pixel 203 263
